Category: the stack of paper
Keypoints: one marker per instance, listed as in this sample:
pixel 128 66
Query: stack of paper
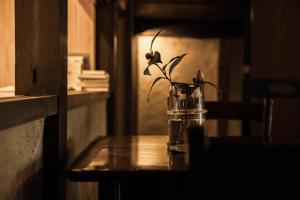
pixel 94 80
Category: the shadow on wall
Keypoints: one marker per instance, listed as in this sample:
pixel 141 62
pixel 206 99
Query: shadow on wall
pixel 30 188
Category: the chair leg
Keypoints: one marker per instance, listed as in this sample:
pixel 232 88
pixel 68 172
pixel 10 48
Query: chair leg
pixel 267 118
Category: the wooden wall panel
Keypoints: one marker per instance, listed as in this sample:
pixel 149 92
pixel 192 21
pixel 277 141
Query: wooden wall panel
pixel 40 47
pixel 7 42
pixel 276 41
pixel 81 29
pixel 276 47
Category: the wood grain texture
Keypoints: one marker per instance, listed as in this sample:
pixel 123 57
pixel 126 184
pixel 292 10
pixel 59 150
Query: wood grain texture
pixel 130 156
pixel 7 43
pixel 81 29
pixel 276 41
pixel 137 157
pixel 39 62
pixel 41 69
pixel 143 163
pixel 276 47
pixel 18 110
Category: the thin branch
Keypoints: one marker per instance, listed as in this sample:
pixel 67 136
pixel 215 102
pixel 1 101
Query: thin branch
pixel 154 39
pixel 164 73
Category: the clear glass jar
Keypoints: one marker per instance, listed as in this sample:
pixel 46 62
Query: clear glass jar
pixel 185 109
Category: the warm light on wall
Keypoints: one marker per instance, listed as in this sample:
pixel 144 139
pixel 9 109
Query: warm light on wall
pixel 201 54
pixel 7 47
pixel 81 29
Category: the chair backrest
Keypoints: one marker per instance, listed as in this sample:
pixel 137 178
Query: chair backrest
pixel 261 112
pixel 241 171
pixel 257 87
pixel 285 93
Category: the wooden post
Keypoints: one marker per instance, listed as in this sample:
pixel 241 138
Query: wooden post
pixel 246 126
pixel 41 69
pixel 124 103
pixel 105 50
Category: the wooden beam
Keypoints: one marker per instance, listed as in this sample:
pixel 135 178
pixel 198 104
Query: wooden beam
pixel 190 1
pixel 189 28
pixel 41 69
pixel 191 18
pixel 105 51
pixel 105 32
pixel 189 11
pixel 124 121
pixel 40 64
pixel 19 110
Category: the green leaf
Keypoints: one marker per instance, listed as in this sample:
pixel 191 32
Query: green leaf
pixel 147 71
pixel 175 63
pixel 154 39
pixel 155 81
pixel 165 66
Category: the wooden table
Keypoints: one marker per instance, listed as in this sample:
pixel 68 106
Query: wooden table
pixel 140 167
pixel 111 160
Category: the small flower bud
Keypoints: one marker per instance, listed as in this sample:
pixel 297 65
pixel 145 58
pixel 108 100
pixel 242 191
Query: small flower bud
pixel 156 57
pixel 148 56
pixel 199 77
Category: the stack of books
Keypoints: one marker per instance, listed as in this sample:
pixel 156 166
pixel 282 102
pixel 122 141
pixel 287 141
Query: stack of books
pixel 94 80
pixel 7 91
pixel 75 66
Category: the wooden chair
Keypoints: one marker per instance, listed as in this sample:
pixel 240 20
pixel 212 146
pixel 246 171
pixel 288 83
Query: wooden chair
pixel 261 112
pixel 281 90
pixel 256 87
pixel 219 171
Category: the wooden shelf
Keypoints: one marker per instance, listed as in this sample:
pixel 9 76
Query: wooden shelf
pixel 77 99
pixel 21 109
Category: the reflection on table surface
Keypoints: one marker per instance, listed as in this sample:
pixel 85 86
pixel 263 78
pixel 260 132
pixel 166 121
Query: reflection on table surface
pixel 131 153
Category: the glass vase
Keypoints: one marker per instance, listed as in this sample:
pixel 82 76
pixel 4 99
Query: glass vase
pixel 185 109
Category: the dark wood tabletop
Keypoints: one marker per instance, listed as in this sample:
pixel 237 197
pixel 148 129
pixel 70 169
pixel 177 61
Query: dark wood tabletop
pixel 137 157
pixel 135 166
pixel 128 157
